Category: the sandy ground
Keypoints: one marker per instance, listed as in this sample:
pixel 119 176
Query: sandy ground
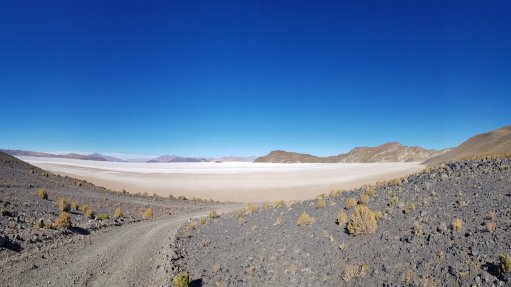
pixel 230 181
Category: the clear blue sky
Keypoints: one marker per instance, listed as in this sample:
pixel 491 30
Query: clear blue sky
pixel 211 78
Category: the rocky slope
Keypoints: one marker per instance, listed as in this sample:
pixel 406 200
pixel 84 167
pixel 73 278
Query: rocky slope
pixel 494 142
pixel 22 209
pixel 389 152
pixel 445 226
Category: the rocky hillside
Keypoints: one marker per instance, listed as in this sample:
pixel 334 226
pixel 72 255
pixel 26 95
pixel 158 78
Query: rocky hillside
pixel 493 142
pixel 447 226
pixel 389 152
pixel 31 201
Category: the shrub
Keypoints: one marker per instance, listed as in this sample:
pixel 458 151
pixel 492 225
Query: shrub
pixel 351 202
pixel 364 198
pixel 63 221
pixel 304 219
pixel 39 224
pixel 84 207
pixel 278 221
pixel 148 213
pixel 240 213
pixel 378 215
pixel 41 193
pixel 64 205
pixel 457 224
pixel 394 200
pixel 212 214
pixel 250 208
pixel 74 205
pixel 411 207
pixel 491 226
pixel 182 279
pixel 266 205
pixel 504 263
pixel 362 221
pixel 202 221
pixel 342 217
pixel 320 203
pixel 118 213
pixel 89 213
pixel 370 191
pixel 279 204
pixel 351 271
pixel 102 217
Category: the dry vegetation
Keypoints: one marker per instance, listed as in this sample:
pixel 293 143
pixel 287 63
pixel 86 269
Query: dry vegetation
pixel 362 221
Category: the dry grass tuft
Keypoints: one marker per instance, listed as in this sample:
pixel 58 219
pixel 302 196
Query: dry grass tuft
pixel 118 213
pixel 320 203
pixel 64 205
pixel 212 214
pixel 351 202
pixel 41 193
pixel 342 217
pixel 75 206
pixel 364 198
pixel 457 224
pixel 362 221
pixel 148 213
pixel 351 272
pixel 63 221
pixel 304 219
pixel 250 208
pixel 279 204
pixel 102 217
pixel 491 226
pixel 504 263
pixel 370 191
pixel 89 213
pixel 182 279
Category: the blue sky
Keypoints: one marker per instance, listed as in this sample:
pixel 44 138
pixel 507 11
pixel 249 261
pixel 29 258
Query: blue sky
pixel 211 78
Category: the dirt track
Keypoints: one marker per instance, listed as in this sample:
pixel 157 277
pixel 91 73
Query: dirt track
pixel 137 254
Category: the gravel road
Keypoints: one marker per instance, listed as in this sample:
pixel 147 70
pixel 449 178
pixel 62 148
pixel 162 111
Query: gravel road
pixel 136 254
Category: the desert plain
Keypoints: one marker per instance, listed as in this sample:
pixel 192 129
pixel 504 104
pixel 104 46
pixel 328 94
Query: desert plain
pixel 228 181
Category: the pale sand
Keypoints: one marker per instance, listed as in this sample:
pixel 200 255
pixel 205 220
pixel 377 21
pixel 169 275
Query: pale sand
pixel 232 181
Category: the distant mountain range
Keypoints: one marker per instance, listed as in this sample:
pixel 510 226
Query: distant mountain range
pixel 94 156
pixel 494 142
pixel 101 157
pixel 175 158
pixel 389 152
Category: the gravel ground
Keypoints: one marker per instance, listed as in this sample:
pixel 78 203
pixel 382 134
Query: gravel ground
pixel 415 243
pixel 21 208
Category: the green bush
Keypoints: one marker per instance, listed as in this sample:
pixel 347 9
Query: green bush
pixel 182 279
pixel 102 217
pixel 504 263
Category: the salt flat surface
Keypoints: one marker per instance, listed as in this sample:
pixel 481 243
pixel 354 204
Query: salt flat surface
pixel 229 181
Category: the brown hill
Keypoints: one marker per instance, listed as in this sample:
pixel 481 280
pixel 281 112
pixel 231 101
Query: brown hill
pixel 493 142
pixel 280 156
pixel 389 152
